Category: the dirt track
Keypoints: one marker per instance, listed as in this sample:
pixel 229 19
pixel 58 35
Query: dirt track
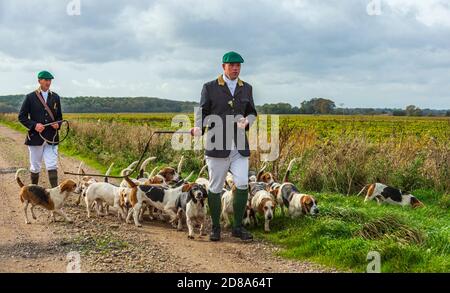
pixel 107 245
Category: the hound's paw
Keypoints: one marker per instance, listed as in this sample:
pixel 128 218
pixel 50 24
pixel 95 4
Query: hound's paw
pixel 190 237
pixel 138 225
pixel 27 222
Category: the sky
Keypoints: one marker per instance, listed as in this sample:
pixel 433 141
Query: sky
pixel 359 53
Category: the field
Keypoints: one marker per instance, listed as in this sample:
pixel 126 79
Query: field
pixel 337 155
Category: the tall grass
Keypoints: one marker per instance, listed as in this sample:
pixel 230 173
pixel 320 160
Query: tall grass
pixel 348 162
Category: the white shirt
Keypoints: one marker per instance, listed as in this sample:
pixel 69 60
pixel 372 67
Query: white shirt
pixel 44 95
pixel 232 87
pixel 230 83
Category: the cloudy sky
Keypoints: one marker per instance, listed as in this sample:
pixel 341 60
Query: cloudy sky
pixel 360 53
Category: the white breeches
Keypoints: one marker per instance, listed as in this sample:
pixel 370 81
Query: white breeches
pixel 45 151
pixel 218 168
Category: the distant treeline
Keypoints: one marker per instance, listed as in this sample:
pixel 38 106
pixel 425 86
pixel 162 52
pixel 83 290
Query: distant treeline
pixel 327 106
pixel 105 105
pixel 12 103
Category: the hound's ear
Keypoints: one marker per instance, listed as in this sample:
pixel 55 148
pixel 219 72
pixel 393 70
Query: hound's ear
pixel 274 192
pixel 121 199
pixel 316 200
pixel 68 185
pixel 415 203
pixel 306 199
pixel 186 187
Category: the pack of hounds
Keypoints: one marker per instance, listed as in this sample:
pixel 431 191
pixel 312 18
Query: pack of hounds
pixel 165 196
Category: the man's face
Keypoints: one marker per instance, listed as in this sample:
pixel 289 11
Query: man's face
pixel 232 70
pixel 45 84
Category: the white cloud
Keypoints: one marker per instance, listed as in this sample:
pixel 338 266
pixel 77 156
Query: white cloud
pixel 429 12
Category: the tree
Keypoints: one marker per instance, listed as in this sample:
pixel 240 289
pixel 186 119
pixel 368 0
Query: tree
pixel 317 106
pixel 398 113
pixel 412 110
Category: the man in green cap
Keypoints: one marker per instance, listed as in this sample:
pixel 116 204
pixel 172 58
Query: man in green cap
pixel 39 108
pixel 227 111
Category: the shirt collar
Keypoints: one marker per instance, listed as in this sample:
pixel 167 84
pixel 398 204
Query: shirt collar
pixel 221 80
pixel 229 81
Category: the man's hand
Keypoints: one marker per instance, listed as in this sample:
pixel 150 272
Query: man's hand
pixel 55 126
pixel 39 127
pixel 242 123
pixel 196 131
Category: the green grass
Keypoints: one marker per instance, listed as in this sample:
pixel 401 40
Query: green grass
pixel 408 240
pixel 103 244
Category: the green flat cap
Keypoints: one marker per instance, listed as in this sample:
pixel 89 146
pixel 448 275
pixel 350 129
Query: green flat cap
pixel 232 57
pixel 45 75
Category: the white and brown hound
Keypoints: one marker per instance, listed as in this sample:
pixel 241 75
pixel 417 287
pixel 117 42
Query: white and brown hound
pixel 386 194
pixel 289 196
pixel 51 199
pixel 262 202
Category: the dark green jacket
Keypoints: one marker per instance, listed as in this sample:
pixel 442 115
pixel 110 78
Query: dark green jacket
pixel 33 112
pixel 216 99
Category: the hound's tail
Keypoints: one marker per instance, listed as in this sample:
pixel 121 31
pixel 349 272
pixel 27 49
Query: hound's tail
pixel 132 165
pixel 180 165
pixel 288 171
pixel 144 166
pixel 80 169
pixel 202 170
pixel 152 173
pixel 18 178
pixel 108 172
pixel 125 172
pixel 130 182
pixel 261 171
pixel 364 188
pixel 189 176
